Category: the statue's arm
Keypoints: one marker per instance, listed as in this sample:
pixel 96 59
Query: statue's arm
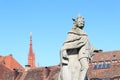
pixel 94 50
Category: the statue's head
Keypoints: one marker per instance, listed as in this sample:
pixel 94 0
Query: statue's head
pixel 79 22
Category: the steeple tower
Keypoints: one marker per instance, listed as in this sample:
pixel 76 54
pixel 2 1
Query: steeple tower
pixel 31 55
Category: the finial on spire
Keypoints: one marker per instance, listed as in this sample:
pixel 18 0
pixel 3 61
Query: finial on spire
pixel 30 33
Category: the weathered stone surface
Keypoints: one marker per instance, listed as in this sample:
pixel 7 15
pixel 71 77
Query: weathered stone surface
pixel 76 53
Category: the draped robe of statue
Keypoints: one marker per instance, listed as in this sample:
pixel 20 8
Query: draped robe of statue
pixel 75 55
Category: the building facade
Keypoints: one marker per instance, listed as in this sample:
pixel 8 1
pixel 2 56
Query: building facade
pixel 105 66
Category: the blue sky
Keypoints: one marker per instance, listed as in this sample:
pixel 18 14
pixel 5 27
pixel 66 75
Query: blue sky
pixel 49 21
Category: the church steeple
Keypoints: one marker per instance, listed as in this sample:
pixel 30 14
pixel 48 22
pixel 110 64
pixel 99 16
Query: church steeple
pixel 31 55
pixel 31 50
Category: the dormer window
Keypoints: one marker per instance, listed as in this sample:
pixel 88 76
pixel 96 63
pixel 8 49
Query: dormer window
pixel 114 61
pixel 100 65
pixel 107 64
pixel 94 65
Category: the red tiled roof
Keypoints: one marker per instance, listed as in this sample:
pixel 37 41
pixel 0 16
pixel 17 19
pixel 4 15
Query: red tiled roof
pixel 10 62
pixel 3 71
pixel 106 56
pixel 41 73
pixel 113 71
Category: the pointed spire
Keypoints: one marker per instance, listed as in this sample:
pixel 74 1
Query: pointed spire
pixel 30 50
pixel 30 37
pixel 31 55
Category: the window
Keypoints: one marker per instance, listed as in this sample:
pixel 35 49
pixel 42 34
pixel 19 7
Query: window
pixel 114 61
pixel 100 65
pixel 94 65
pixel 107 64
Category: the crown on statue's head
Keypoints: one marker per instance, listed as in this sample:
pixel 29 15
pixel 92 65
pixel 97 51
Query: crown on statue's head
pixel 79 21
pixel 81 18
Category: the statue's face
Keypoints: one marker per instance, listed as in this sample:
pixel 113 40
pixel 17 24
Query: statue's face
pixel 79 22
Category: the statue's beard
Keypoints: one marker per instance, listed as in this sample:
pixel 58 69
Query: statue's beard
pixel 81 27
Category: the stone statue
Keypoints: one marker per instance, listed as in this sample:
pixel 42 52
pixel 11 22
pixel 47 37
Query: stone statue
pixel 76 53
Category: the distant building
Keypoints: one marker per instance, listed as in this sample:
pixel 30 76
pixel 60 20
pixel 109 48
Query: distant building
pixel 9 68
pixel 31 55
pixel 10 62
pixel 4 71
pixel 40 73
pixel 105 66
